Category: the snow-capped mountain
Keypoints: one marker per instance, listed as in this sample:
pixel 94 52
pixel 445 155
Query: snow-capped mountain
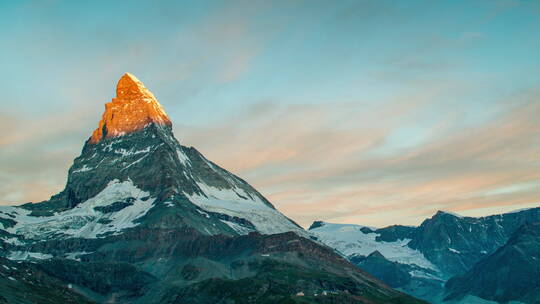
pixel 355 240
pixel 385 254
pixel 133 165
pixel 143 219
pixel 455 243
pixel 420 259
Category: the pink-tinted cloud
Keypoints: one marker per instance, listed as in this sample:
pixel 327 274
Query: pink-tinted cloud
pixel 311 168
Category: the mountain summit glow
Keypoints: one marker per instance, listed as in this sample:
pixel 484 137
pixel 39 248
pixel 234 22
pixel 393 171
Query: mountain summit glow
pixel 133 108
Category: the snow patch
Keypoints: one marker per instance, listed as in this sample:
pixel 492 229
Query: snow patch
pixel 135 162
pixel 203 213
pixel 454 251
pixel 237 228
pixel 13 241
pixel 75 255
pixel 452 213
pixel 130 152
pixel 236 202
pixel 25 255
pixel 182 157
pixel 83 169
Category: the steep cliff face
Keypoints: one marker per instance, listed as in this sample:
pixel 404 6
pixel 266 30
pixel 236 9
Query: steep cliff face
pixel 455 243
pixel 143 219
pixel 509 274
pixel 133 108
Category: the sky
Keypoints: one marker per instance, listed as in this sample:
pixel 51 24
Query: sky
pixel 366 112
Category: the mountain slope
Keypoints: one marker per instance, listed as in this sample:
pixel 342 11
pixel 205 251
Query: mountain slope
pixel 509 274
pixel 418 260
pixel 354 240
pixel 455 243
pixel 384 254
pixel 143 219
pixel 25 283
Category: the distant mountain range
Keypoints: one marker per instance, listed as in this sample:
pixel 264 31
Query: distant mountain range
pixel 511 273
pixel 449 258
pixel 143 219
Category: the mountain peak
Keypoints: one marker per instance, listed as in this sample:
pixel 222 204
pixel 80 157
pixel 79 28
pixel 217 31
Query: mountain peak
pixel 130 86
pixel 133 108
pixel 316 224
pixel 443 212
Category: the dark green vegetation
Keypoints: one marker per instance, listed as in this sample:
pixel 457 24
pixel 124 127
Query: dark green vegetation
pixel 182 266
pixel 101 277
pixel 27 283
pixel 278 282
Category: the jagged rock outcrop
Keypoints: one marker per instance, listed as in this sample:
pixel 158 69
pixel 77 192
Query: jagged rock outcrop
pixel 133 108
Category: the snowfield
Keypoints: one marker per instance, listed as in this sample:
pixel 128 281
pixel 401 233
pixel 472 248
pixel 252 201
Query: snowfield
pixel 84 221
pixel 236 202
pixel 349 240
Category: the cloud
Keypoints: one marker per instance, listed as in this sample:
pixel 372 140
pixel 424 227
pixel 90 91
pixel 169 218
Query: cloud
pixel 354 157
pixel 319 161
pixel 36 154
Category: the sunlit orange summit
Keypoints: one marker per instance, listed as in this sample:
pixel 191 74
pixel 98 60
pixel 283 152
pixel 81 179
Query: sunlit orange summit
pixel 132 109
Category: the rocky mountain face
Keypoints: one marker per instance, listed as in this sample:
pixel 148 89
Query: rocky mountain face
pixel 384 254
pixel 511 273
pixel 143 219
pixel 418 260
pixel 393 273
pixel 410 278
pixel 455 243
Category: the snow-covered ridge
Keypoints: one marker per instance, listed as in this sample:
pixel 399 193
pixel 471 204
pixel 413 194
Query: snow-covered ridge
pixel 125 152
pixel 350 240
pixel 236 202
pixel 86 220
pixel 451 213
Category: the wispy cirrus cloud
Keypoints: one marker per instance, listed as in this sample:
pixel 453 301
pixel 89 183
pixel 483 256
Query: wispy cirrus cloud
pixel 323 162
pixel 373 112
